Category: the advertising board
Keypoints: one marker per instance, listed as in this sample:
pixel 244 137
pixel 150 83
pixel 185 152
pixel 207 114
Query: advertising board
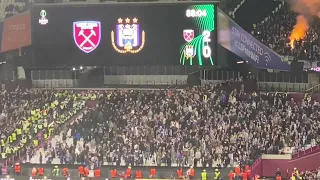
pixel 125 34
pixel 16 32
pixel 234 38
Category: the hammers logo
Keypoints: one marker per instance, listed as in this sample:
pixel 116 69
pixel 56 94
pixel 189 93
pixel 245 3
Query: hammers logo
pixel 87 35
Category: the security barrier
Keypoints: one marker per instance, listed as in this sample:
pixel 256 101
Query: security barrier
pixel 162 172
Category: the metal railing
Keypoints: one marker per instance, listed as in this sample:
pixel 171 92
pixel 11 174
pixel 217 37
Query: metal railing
pixel 306 152
pixel 289 77
pixel 52 74
pixel 152 70
pixel 314 88
pixel 7 75
pixel 283 86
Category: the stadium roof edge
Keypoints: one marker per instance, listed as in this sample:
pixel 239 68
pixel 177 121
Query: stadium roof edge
pixel 121 3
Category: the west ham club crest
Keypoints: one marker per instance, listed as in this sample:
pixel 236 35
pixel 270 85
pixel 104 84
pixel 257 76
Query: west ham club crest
pixel 128 38
pixel 87 35
pixel 188 35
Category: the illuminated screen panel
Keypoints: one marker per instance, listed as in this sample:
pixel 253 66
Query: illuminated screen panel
pixel 125 34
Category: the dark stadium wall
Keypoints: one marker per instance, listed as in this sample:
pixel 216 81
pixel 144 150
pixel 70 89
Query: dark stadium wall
pixel 242 68
pixel 12 85
pixel 306 162
pixel 303 162
pixel 223 54
pixel 256 167
pixel 91 78
pixel 7 67
pixel 269 167
pixel 254 11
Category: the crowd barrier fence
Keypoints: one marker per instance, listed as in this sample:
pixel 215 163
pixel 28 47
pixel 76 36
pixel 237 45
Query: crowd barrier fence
pixel 162 172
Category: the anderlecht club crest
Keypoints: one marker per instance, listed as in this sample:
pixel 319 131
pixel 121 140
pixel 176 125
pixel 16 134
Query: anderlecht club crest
pixel 128 37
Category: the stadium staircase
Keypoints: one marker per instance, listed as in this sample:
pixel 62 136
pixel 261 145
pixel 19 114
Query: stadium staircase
pixel 53 143
pixel 315 88
pixel 236 8
pixel 35 157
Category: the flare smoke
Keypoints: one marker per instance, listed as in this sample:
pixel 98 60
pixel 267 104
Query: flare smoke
pixel 306 10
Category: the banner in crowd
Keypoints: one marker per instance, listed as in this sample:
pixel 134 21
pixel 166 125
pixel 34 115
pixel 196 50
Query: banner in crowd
pixel 16 32
pixel 237 40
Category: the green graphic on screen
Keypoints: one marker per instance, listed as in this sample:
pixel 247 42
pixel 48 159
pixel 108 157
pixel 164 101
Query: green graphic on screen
pixel 197 49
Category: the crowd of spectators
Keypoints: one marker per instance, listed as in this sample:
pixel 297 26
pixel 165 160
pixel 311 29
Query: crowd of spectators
pixel 16 107
pixel 310 175
pixel 16 7
pixel 275 31
pixel 30 116
pixel 199 126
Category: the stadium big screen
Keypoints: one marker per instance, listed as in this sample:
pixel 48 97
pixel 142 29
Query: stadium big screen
pixel 125 34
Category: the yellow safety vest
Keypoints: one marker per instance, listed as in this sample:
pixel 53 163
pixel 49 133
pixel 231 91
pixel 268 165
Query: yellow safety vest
pixel 35 142
pixel 203 176
pixel 19 131
pixel 216 175
pixel 50 131
pixel 14 136
pixel 9 139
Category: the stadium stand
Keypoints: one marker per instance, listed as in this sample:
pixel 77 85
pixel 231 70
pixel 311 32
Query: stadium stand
pixel 9 8
pixel 312 174
pixel 213 125
pixel 33 116
pixel 199 126
pixel 233 7
pixel 274 31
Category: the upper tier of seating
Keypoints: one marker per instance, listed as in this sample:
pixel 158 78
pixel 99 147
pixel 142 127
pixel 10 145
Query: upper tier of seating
pixel 275 30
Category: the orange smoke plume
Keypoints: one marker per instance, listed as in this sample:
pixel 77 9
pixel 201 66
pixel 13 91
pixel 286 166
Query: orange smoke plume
pixel 307 8
pixel 299 30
